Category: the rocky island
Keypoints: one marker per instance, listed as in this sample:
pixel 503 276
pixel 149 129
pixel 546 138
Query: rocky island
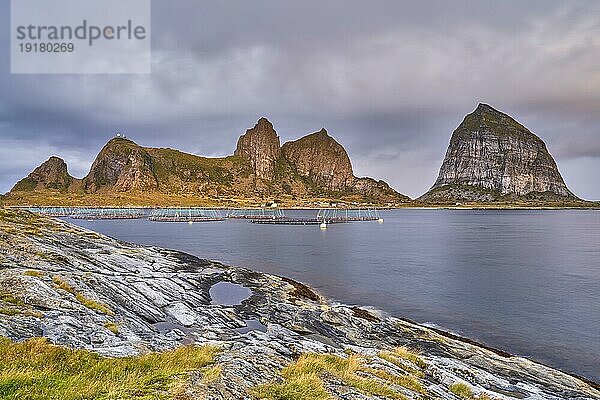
pixel 77 289
pixel 494 159
pixel 299 173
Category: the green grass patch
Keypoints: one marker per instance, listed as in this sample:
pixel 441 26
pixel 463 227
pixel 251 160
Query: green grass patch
pixel 399 357
pixel 211 374
pixel 304 379
pixel 10 299
pixel 31 272
pixel 36 370
pixel 9 311
pixel 111 326
pixel 62 284
pixel 462 390
pixel 10 305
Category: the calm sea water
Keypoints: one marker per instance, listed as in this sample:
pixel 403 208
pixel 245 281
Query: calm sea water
pixel 524 281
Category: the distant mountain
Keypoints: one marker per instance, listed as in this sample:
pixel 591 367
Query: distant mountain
pixel 311 168
pixel 493 158
pixel 51 174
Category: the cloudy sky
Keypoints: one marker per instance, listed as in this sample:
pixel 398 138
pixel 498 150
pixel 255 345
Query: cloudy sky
pixel 390 80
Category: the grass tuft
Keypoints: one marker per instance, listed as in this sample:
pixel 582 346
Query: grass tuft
pixel 111 326
pixel 35 273
pixel 399 357
pixel 212 373
pixel 409 355
pixel 462 390
pixel 89 303
pixel 36 370
pixel 9 311
pixel 62 284
pixel 10 299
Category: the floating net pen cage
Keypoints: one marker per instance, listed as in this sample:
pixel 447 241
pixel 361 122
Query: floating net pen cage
pixel 348 214
pixel 256 213
pixel 107 213
pixel 185 215
pixel 53 211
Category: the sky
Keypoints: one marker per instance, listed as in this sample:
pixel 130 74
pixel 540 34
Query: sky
pixel 390 80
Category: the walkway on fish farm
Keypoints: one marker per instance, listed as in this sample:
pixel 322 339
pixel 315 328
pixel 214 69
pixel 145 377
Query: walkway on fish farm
pixel 294 221
pixel 256 213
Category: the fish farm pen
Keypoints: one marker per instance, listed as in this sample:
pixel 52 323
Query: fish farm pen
pixel 331 215
pixel 53 211
pixel 185 215
pixel 108 213
pixel 326 216
pixel 256 213
pixel 266 216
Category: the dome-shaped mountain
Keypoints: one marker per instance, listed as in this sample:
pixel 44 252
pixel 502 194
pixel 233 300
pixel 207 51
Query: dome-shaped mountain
pixel 121 166
pixel 321 158
pixel 491 155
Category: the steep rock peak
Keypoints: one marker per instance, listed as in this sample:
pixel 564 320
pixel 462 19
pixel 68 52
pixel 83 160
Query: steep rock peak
pixel 260 145
pixel 51 174
pixel 264 122
pixel 483 108
pixel 491 150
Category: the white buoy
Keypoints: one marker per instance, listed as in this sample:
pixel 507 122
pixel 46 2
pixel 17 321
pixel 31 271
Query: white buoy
pixel 323 225
pixel 380 220
pixel 190 222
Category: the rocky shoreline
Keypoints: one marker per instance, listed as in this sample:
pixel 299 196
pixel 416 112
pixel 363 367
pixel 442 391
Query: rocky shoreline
pixel 81 289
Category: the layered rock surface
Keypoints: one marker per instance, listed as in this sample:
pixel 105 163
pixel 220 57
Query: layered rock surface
pixel 160 299
pixel 490 151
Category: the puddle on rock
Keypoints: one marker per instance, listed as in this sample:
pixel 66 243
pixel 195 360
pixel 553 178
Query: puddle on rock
pixel 252 325
pixel 228 294
pixel 168 329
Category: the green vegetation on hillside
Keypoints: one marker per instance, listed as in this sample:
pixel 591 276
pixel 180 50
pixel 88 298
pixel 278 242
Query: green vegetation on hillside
pixel 172 167
pixel 25 185
pixel 494 120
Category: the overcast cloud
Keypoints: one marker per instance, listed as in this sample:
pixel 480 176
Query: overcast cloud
pixel 390 80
